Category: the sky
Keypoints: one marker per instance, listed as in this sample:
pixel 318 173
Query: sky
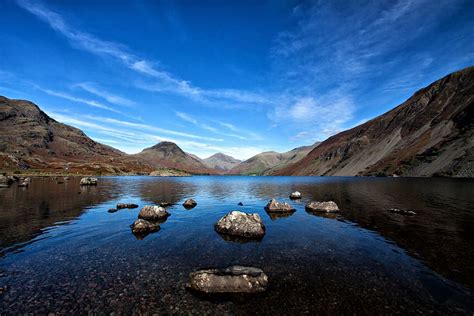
pixel 237 77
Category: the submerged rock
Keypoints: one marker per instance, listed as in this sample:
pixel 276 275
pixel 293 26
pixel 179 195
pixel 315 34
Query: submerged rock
pixel 275 206
pixel 189 204
pixel 402 212
pixel 166 204
pixel 328 207
pixel 141 226
pixel 126 205
pixel 295 195
pixel 240 204
pixel 88 181
pixel 235 279
pixel 153 213
pixel 241 224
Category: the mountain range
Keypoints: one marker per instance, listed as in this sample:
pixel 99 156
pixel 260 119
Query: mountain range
pixel 430 134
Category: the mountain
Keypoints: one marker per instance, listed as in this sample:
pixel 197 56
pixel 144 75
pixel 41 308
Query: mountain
pixel 221 162
pixel 270 162
pixel 30 139
pixel 430 134
pixel 169 155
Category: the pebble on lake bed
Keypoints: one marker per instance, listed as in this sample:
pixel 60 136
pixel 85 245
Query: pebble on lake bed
pixel 328 207
pixel 275 206
pixel 241 224
pixel 295 195
pixel 189 204
pixel 153 213
pixel 402 212
pixel 126 205
pixel 234 279
pixel 141 226
pixel 88 181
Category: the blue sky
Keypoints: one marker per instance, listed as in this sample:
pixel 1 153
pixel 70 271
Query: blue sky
pixel 236 77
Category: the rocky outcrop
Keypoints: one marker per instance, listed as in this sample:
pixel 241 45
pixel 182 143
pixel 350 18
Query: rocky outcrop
pixel 430 134
pixel 327 207
pixel 240 224
pixel 126 205
pixel 295 195
pixel 235 279
pixel 153 213
pixel 189 204
pixel 141 226
pixel 88 181
pixel 275 206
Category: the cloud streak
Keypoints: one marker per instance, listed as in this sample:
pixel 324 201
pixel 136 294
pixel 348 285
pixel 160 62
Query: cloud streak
pixel 109 97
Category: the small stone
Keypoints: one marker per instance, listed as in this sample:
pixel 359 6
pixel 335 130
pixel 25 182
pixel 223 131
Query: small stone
pixel 328 207
pixel 295 195
pixel 275 206
pixel 189 204
pixel 126 205
pixel 402 212
pixel 153 213
pixel 88 181
pixel 235 279
pixel 240 204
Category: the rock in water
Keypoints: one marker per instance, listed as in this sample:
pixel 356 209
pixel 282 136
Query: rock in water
pixel 126 205
pixel 112 210
pixel 241 224
pixel 275 206
pixel 23 184
pixel 189 204
pixel 153 213
pixel 165 204
pixel 89 181
pixel 295 195
pixel 141 226
pixel 328 207
pixel 5 181
pixel 402 212
pixel 235 279
pixel 240 204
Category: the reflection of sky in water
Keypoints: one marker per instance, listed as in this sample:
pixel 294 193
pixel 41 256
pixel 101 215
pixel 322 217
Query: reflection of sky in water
pixel 303 254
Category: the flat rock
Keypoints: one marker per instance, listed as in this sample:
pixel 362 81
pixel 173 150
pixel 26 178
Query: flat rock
pixel 328 207
pixel 88 181
pixel 141 226
pixel 275 206
pixel 295 195
pixel 402 212
pixel 166 204
pixel 153 213
pixel 189 204
pixel 234 279
pixel 126 205
pixel 241 224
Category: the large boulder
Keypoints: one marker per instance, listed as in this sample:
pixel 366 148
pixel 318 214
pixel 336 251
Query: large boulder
pixel 275 206
pixel 241 224
pixel 153 213
pixel 189 204
pixel 328 207
pixel 235 279
pixel 89 181
pixel 295 195
pixel 141 226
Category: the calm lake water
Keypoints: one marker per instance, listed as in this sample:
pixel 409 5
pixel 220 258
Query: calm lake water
pixel 61 251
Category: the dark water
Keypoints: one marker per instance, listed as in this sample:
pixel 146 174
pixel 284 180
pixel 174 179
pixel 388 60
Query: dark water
pixel 61 251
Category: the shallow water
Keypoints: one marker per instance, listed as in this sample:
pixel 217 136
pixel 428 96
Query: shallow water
pixel 61 251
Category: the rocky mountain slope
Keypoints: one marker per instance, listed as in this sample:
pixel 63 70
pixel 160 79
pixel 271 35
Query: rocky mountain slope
pixel 30 139
pixel 221 162
pixel 430 134
pixel 169 155
pixel 270 162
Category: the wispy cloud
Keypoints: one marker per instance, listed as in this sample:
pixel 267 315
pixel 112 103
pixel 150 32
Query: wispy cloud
pixel 164 81
pixel 109 97
pixel 193 121
pixel 69 97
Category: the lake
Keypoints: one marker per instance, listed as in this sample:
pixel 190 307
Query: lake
pixel 62 251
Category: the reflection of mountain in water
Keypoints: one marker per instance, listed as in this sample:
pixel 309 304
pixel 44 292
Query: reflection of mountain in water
pixel 169 190
pixel 24 212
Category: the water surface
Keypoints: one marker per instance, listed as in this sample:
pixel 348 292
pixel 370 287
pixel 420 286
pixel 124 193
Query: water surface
pixel 61 251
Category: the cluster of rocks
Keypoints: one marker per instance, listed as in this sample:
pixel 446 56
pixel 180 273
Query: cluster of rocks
pixel 7 181
pixel 89 181
pixel 148 220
